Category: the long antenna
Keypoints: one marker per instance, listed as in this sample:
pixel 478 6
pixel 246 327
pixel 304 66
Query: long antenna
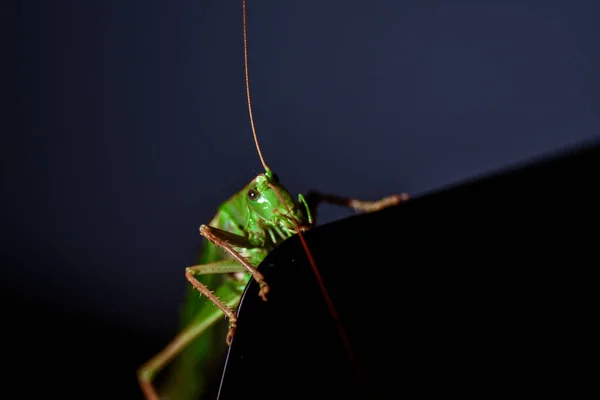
pixel 262 160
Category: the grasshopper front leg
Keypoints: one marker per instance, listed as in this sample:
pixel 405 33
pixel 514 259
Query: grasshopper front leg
pixel 313 198
pixel 229 313
pixel 226 240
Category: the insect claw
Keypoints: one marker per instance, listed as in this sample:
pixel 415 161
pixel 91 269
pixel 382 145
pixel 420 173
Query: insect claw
pixel 264 289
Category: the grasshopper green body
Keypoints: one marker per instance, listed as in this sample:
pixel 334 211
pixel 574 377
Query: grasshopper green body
pixel 252 223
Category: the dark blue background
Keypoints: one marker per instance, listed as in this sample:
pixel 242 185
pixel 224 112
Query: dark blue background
pixel 132 123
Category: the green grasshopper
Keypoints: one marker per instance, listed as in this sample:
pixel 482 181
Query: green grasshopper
pixel 247 226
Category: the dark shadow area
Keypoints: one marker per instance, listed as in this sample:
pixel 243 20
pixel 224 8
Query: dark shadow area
pixel 479 289
pixel 58 353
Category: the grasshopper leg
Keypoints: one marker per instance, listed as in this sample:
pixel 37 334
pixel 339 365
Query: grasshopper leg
pixel 228 311
pixel 226 240
pixel 150 369
pixel 313 198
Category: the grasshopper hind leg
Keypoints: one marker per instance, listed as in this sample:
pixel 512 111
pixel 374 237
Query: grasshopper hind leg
pixel 150 369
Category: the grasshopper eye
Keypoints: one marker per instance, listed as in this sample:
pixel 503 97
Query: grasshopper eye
pixel 252 194
pixel 275 178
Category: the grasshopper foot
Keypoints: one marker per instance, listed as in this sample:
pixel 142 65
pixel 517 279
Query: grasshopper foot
pixel 264 289
pixel 371 206
pixel 230 334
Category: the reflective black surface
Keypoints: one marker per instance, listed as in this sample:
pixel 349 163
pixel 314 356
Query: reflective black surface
pixel 475 290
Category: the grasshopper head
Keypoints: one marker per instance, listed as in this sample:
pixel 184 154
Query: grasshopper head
pixel 273 205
